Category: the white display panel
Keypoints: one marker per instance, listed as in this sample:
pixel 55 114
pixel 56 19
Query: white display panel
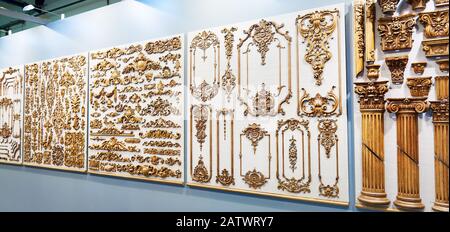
pixel 11 95
pixel 426 152
pixel 136 110
pixel 267 107
pixel 55 113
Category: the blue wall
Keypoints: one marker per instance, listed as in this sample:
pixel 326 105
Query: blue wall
pixel 32 189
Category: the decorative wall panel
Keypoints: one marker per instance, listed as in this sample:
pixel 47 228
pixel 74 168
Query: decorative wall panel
pixel 55 113
pixel 267 109
pixel 136 111
pixel 11 95
pixel 401 106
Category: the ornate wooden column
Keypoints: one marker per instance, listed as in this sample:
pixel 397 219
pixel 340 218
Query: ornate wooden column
pixel 440 110
pixel 371 103
pixel 407 109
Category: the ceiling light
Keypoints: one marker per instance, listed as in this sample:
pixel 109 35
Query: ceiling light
pixel 28 7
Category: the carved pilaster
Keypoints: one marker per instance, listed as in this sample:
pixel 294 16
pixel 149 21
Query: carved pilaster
pixel 441 87
pixel 419 67
pixel 388 6
pixel 435 23
pixel 370 31
pixel 396 32
pixel 397 67
pixel 407 109
pixel 435 47
pixel 419 86
pixel 358 36
pixel 418 4
pixel 371 102
pixel 443 65
pixel 441 154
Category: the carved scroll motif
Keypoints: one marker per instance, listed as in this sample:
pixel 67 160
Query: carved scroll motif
pixel 262 35
pixel 316 28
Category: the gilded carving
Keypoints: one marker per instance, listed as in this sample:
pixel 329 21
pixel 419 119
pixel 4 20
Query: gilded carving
pixel 373 71
pixel 136 108
pixel 435 23
pixel 11 91
pixel 292 184
pixel 55 103
pixel 435 47
pixel 396 32
pixel 419 86
pixel 388 6
pixel 358 35
pixel 328 139
pixel 397 66
pixel 443 65
pixel 316 28
pixel 419 67
pixel 318 105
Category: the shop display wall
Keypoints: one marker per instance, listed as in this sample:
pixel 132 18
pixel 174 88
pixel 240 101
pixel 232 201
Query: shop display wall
pixel 267 110
pixel 401 105
pixel 11 95
pixel 123 23
pixel 136 111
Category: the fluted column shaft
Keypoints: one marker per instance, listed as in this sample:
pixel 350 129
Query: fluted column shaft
pixel 407 110
pixel 441 154
pixel 372 119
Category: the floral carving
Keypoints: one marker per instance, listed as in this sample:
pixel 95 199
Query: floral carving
pixel 200 114
pixel 318 105
pixel 204 91
pixel 316 28
pixel 388 6
pixel 228 78
pixel 435 23
pixel 396 32
pixel 419 67
pixel 371 94
pixel 327 134
pixel 255 179
pixel 201 172
pixel 263 34
pixel 254 133
pixel 418 4
pixel 160 46
pixel 419 86
pixel 397 67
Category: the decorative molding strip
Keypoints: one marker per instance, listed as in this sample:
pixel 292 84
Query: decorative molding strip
pixel 435 47
pixel 358 36
pixel 443 65
pixel 370 16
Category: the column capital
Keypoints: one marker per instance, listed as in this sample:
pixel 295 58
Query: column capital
pixel 407 105
pixel 371 95
pixel 440 110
